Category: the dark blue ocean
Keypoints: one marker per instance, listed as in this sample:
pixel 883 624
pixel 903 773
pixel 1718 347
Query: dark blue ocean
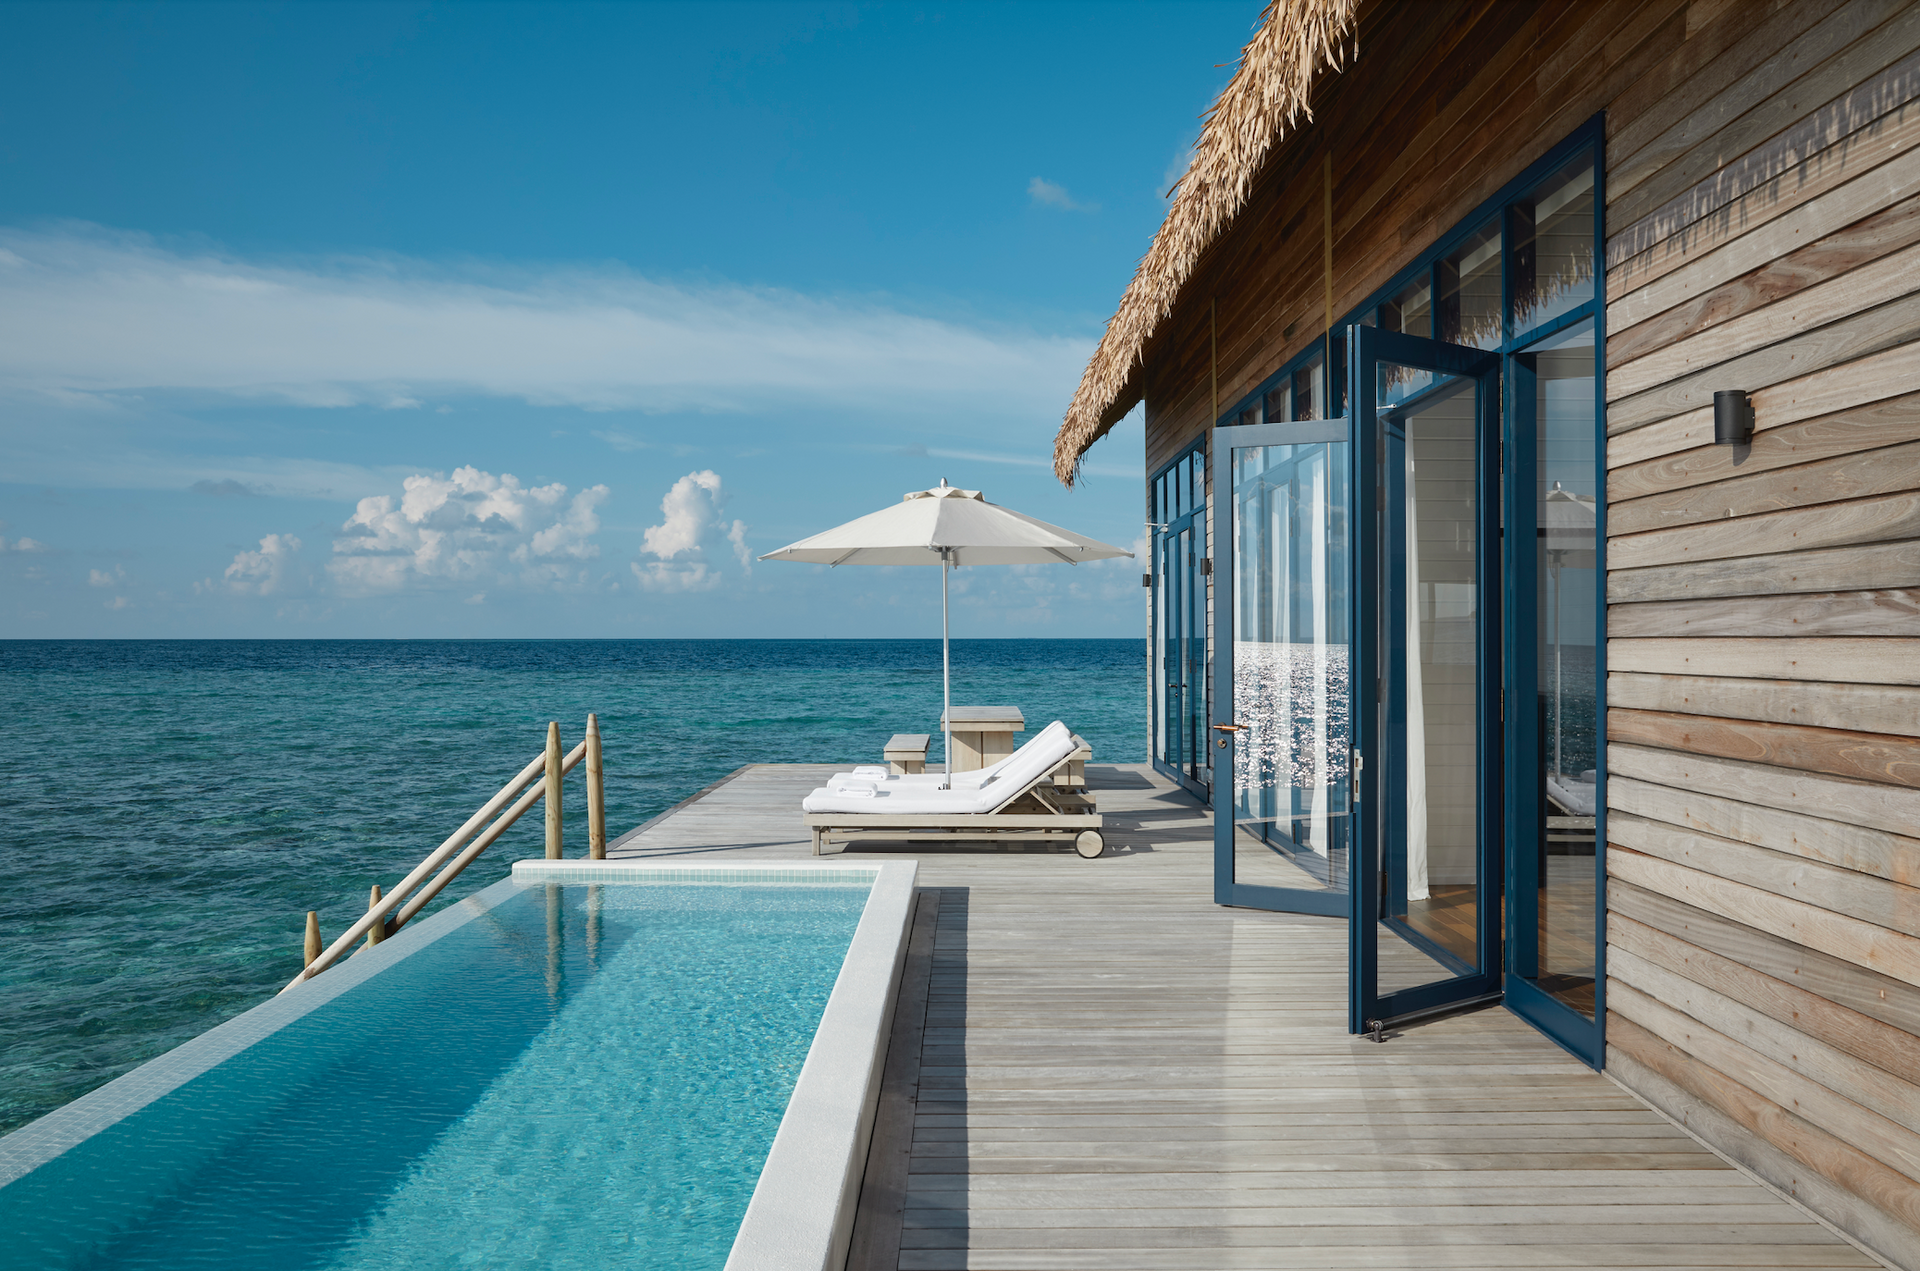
pixel 169 810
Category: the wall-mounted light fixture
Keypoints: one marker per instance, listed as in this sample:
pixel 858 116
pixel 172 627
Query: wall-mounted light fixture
pixel 1732 418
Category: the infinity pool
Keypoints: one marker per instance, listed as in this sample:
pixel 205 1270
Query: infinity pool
pixel 549 1075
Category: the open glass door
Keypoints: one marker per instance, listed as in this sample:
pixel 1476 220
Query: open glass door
pixel 1282 779
pixel 1426 895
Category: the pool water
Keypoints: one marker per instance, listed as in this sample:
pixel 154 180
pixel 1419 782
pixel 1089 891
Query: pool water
pixel 575 1076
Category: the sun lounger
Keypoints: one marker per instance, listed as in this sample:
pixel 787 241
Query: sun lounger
pixel 1069 774
pixel 1013 799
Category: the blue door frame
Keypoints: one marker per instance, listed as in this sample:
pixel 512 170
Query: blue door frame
pixel 1379 714
pixel 1227 890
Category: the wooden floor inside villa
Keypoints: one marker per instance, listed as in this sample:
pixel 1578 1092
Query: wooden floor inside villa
pixel 1094 1066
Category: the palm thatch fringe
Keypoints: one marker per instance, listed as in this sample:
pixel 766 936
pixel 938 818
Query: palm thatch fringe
pixel 1267 94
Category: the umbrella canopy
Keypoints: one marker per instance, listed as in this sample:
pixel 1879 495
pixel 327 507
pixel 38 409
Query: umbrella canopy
pixel 948 527
pixel 1568 524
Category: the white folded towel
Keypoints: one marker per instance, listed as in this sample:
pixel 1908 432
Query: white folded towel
pixel 856 789
pixel 875 771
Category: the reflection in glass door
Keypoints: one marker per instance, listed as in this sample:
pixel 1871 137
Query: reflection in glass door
pixel 1426 920
pixel 1554 802
pixel 1283 806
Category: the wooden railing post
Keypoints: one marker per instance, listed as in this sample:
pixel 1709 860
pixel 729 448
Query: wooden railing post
pixel 596 794
pixel 378 931
pixel 526 784
pixel 313 938
pixel 554 773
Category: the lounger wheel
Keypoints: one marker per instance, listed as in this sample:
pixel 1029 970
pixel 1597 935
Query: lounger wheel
pixel 1089 843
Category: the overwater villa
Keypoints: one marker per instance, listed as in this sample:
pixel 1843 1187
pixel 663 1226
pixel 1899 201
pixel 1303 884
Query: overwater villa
pixel 1534 448
pixel 1526 873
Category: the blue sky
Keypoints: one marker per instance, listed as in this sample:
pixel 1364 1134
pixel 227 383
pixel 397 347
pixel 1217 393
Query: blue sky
pixel 363 319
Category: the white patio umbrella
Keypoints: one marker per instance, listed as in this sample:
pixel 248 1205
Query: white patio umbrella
pixel 1568 526
pixel 947 527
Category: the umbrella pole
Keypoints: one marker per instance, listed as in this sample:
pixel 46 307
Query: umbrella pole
pixel 946 678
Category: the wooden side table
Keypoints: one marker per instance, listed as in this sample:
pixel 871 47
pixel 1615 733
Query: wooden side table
pixel 983 735
pixel 907 753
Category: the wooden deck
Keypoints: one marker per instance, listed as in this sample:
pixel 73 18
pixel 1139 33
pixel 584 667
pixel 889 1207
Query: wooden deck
pixel 1094 1066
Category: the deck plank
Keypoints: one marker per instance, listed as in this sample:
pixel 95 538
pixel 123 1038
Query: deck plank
pixel 1109 1070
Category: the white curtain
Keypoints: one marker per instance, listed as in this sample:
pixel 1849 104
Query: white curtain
pixel 1416 705
pixel 1318 838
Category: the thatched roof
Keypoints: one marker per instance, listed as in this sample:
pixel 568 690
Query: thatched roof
pixel 1268 92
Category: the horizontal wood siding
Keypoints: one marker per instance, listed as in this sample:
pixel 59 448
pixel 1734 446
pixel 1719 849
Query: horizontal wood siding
pixel 1763 233
pixel 1763 940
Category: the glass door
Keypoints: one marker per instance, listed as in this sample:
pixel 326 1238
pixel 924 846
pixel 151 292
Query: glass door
pixel 1282 770
pixel 1180 629
pixel 1556 911
pixel 1426 894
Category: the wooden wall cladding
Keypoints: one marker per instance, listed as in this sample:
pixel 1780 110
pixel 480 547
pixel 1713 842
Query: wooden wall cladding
pixel 1763 940
pixel 1763 233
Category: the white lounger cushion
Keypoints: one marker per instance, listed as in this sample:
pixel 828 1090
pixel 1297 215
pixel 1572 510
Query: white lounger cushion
pixel 1013 776
pixel 915 799
pixel 976 777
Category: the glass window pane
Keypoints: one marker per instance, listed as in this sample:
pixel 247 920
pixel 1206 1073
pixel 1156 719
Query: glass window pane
pixel 1433 858
pixel 1337 375
pixel 1161 649
pixel 1309 397
pixel 1251 415
pixel 1292 788
pixel 1280 404
pixel 1468 279
pixel 1410 311
pixel 1553 246
pixel 1568 633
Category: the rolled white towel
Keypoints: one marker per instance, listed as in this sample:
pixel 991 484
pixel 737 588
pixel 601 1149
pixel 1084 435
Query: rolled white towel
pixel 873 771
pixel 856 789
pixel 839 779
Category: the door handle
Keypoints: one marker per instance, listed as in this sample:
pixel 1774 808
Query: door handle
pixel 1227 731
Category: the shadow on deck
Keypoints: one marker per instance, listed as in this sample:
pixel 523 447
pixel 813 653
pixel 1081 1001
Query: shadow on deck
pixel 1094 1066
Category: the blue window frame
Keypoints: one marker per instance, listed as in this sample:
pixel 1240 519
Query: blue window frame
pixel 1176 514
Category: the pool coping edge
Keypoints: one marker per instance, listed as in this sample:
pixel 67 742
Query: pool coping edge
pixel 802 1211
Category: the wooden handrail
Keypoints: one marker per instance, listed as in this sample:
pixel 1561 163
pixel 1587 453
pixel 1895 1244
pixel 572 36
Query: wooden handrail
pixel 333 951
pixel 529 786
pixel 596 794
pixel 481 844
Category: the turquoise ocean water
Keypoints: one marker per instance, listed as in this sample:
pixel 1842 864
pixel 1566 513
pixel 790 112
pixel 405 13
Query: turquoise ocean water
pixel 169 810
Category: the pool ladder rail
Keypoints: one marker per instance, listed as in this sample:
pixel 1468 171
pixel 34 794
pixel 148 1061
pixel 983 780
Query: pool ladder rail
pixel 381 919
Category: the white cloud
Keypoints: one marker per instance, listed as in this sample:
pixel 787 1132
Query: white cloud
pixel 22 545
pixel 691 527
pixel 90 318
pixel 621 441
pixel 467 527
pixel 224 489
pixel 266 571
pixel 119 602
pixel 1047 194
pixel 106 578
